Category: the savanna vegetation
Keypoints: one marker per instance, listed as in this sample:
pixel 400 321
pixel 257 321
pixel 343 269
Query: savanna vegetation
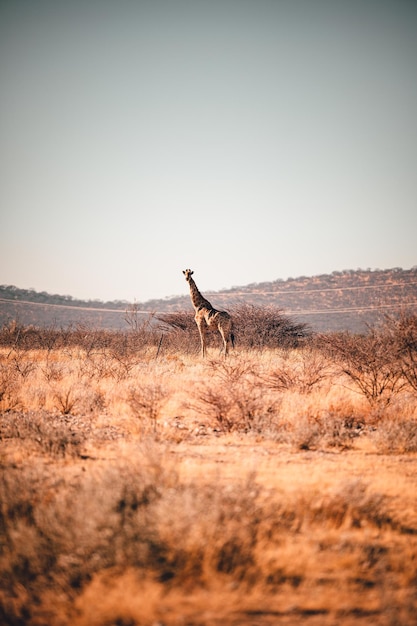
pixel 347 300
pixel 142 485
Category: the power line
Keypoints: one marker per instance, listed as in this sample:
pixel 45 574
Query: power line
pixel 297 291
pixel 63 306
pixel 288 312
pixel 352 309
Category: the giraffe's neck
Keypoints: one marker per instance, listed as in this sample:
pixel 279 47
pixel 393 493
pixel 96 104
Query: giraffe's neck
pixel 196 298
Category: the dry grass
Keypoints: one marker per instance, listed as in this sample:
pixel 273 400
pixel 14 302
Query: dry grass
pixel 145 486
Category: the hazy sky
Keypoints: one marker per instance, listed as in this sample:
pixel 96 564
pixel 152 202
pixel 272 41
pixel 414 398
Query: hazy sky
pixel 247 139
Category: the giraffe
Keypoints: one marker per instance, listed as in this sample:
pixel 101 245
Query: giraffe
pixel 207 317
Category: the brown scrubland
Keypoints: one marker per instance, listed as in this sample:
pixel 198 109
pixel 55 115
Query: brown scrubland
pixel 142 485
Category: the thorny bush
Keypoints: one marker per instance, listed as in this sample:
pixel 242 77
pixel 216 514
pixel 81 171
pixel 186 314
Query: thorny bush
pixel 233 398
pixel 403 333
pixel 369 361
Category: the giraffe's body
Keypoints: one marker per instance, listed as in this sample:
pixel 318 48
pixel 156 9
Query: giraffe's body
pixel 207 317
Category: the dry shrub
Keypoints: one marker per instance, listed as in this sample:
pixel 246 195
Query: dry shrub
pixel 369 361
pixel 46 432
pixel 395 436
pixel 76 398
pixel 98 367
pixel 233 398
pixel 110 355
pixel 127 516
pixel 66 399
pixel 205 534
pixel 59 539
pixel 84 548
pixel 17 367
pixel 16 336
pixel 180 333
pixel 55 381
pixel 262 327
pixel 305 434
pixel 120 598
pixel 53 371
pixel 331 429
pixel 24 552
pixel 147 400
pixel 350 505
pixel 10 387
pixel 194 537
pixel 302 371
pixel 21 364
pixel 90 340
pixel 403 332
pixel 127 536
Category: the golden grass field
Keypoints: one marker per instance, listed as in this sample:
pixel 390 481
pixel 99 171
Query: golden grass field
pixel 160 489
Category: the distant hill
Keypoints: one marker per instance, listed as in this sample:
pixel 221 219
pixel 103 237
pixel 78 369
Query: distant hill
pixel 347 300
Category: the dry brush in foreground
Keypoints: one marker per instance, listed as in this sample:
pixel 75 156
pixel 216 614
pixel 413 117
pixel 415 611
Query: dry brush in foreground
pixel 142 486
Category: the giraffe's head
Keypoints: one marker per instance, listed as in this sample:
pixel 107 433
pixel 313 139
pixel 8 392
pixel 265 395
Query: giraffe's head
pixel 187 274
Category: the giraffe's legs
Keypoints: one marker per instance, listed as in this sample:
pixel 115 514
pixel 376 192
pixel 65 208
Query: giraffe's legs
pixel 202 332
pixel 225 341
